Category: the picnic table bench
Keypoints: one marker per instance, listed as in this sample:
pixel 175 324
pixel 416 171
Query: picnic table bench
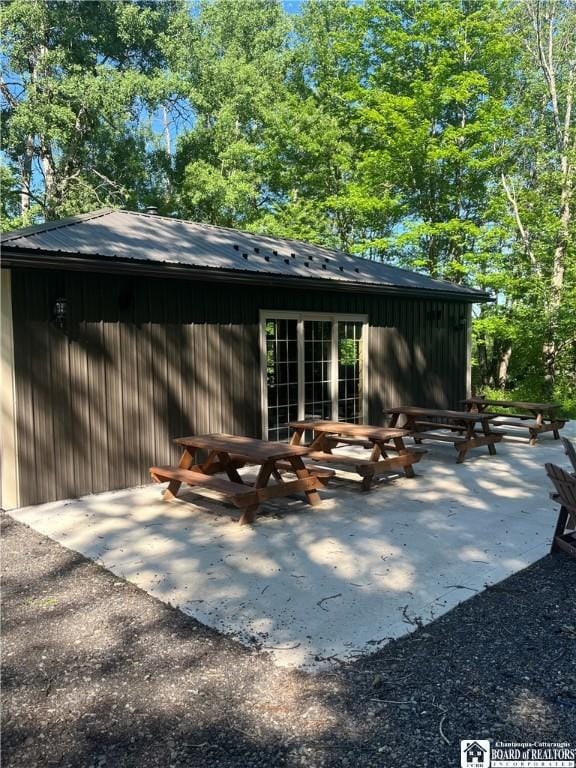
pixel 541 417
pixel 423 424
pixel 227 454
pixel 327 435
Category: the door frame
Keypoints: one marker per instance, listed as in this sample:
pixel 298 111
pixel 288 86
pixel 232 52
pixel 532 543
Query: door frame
pixel 300 317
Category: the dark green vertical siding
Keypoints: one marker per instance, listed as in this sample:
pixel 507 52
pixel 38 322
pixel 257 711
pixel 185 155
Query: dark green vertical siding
pixel 145 360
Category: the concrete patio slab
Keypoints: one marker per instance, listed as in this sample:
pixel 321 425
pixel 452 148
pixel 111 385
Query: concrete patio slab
pixel 332 582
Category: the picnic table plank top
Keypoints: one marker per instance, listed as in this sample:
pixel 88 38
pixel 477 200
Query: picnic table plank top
pixel 352 430
pixel 511 404
pixel 249 448
pixel 410 410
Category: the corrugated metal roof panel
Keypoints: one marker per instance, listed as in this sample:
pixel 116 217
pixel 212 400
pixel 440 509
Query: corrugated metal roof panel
pixel 151 238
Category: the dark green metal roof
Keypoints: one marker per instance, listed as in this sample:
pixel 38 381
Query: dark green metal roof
pixel 115 240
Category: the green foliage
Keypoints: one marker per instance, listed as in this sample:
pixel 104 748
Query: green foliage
pixel 347 352
pixel 11 215
pixel 435 134
pixel 234 80
pixel 532 391
pixel 79 77
pixel 432 105
pixel 535 275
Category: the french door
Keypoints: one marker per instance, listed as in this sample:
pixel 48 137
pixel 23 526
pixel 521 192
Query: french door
pixel 312 368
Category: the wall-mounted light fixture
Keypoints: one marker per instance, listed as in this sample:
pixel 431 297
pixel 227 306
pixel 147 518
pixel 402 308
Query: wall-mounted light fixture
pixel 60 312
pixel 461 323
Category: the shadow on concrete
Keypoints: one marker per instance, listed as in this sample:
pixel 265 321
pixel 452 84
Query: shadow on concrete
pixel 96 673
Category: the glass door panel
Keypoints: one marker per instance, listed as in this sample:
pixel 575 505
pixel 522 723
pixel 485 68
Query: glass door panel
pixel 317 369
pixel 350 371
pixel 314 370
pixel 281 376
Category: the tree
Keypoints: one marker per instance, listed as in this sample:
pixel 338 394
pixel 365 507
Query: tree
pixel 388 142
pixel 315 137
pixel 540 186
pixel 432 103
pixel 77 79
pixel 437 134
pixel 234 82
pixel 528 339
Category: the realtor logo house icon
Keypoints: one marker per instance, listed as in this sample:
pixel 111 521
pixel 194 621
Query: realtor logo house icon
pixel 475 754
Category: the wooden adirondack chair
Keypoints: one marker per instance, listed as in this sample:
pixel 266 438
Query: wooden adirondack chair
pixel 564 539
pixel 570 451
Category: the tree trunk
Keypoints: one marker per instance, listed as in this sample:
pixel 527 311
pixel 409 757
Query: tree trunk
pixel 545 18
pixel 503 365
pixel 166 127
pixel 433 256
pixel 26 176
pixel 50 202
pixel 549 350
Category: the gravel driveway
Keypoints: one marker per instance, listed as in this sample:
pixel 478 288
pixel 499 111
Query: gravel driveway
pixel 98 673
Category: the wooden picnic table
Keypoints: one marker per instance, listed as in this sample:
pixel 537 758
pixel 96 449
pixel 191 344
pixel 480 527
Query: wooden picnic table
pixel 422 422
pixel 228 453
pixel 328 435
pixel 541 418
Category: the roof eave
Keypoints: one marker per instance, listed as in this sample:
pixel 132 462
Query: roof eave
pixel 32 258
pixel 48 226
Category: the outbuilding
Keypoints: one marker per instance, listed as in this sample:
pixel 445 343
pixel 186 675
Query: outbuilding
pixel 122 330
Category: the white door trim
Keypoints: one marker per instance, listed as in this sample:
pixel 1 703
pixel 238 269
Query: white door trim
pixel 335 317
